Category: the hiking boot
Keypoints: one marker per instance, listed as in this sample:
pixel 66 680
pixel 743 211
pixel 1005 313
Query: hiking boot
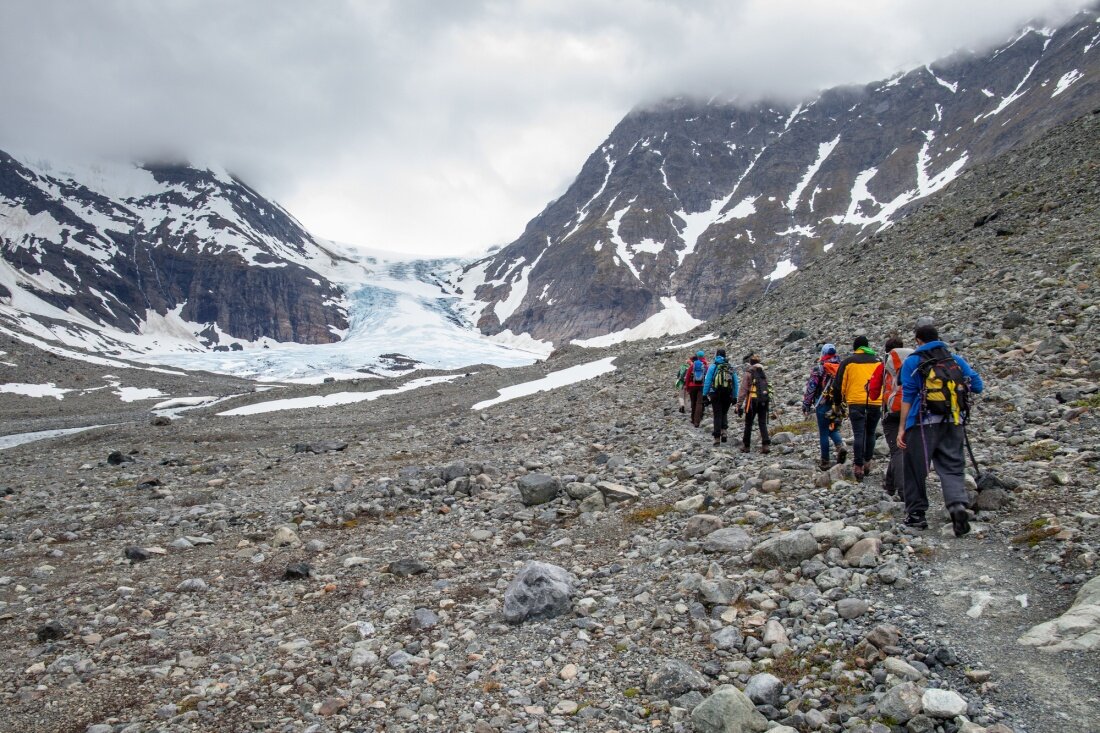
pixel 765 449
pixel 841 454
pixel 717 442
pixel 682 409
pixel 724 436
pixel 824 465
pixel 744 449
pixel 916 521
pixel 867 468
pixel 960 520
pixel 857 472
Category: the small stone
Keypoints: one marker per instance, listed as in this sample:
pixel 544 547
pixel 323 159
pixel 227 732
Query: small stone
pixel 701 525
pixel 135 554
pixel 764 689
pixel 785 551
pixel 901 668
pixel 423 619
pixel 285 536
pixel 405 567
pixel 729 539
pixel 568 672
pixel 851 607
pixel 51 631
pixel 192 585
pixel 901 702
pixel 539 590
pixel 538 488
pixel 673 679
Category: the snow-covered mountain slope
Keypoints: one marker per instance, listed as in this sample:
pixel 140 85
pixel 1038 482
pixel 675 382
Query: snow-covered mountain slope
pixel 121 258
pixel 689 208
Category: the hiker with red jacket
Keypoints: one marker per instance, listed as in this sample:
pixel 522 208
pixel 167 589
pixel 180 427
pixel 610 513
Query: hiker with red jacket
pixel 753 401
pixel 887 384
pixel 935 385
pixel 693 383
pixel 853 390
pixel 817 399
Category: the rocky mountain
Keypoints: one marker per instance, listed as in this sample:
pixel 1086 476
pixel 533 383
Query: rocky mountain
pixel 172 254
pixel 689 208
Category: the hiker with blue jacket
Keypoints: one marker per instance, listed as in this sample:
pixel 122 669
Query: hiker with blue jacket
pixel 720 386
pixel 935 384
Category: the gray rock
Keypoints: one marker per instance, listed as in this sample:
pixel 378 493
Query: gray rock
pixel 423 619
pixel 785 551
pixel 673 679
pixel 702 525
pixel 594 502
pixel 728 710
pixel 617 492
pixel 727 638
pixel 407 566
pixel 992 500
pixel 865 553
pixel 538 488
pixel 901 702
pixel 851 607
pixel 901 668
pixel 720 591
pixel 285 536
pixel 1078 629
pixel 764 689
pixel 943 703
pixel 539 590
pixel 192 585
pixel 729 539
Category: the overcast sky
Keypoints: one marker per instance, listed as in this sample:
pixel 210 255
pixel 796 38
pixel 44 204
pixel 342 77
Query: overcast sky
pixel 437 126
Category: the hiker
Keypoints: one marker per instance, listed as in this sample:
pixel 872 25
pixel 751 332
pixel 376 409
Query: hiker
pixel 935 385
pixel 720 386
pixel 853 392
pixel 752 402
pixel 817 399
pixel 681 387
pixel 887 384
pixel 693 383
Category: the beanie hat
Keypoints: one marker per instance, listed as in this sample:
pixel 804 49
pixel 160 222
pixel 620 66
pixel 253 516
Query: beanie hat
pixel 700 353
pixel 860 341
pixel 828 350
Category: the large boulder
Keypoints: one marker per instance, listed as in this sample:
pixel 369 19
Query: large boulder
pixel 1078 629
pixel 728 539
pixel 538 488
pixel 728 710
pixel 785 551
pixel 539 590
pixel 902 702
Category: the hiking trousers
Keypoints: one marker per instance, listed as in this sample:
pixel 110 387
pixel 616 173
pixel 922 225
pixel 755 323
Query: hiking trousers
pixel 864 422
pixel 681 395
pixel 759 413
pixel 696 395
pixel 895 469
pixel 943 445
pixel 720 401
pixel 824 434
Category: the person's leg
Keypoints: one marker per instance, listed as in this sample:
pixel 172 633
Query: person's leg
pixel 716 408
pixel 895 467
pixel 723 407
pixel 696 406
pixel 823 433
pixel 681 392
pixel 762 421
pixel 746 436
pixel 916 473
pixel 950 462
pixel 858 416
pixel 874 414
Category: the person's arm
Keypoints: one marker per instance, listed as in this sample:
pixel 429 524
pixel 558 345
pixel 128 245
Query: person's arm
pixel 901 430
pixel 708 381
pixel 973 378
pixel 811 390
pixel 874 387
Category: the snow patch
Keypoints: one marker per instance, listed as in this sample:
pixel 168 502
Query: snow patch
pixel 10 441
pixel 823 151
pixel 672 318
pixel 335 399
pixel 553 380
pixel 1066 81
pixel 701 339
pixel 35 390
pixel 782 269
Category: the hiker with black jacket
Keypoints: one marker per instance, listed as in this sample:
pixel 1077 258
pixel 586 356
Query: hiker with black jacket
pixel 752 402
pixel 720 386
pixel 853 380
pixel 817 400
pixel 935 385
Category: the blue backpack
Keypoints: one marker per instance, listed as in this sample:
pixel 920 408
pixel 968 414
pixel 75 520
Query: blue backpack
pixel 700 372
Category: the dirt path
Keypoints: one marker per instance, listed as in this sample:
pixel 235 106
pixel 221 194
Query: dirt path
pixel 981 595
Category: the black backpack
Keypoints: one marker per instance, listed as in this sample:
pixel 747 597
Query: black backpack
pixel 944 390
pixel 760 386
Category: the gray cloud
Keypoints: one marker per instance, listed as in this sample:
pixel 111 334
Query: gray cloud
pixel 431 126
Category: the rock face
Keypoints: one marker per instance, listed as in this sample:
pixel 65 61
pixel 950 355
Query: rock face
pixel 1078 629
pixel 538 591
pixel 128 247
pixel 696 204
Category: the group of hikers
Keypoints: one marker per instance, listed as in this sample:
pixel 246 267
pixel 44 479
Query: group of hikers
pixel 919 395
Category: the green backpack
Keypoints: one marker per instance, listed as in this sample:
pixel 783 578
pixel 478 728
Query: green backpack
pixel 722 378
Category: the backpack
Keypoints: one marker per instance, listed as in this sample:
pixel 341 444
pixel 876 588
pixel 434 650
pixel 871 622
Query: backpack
pixel 831 368
pixel 891 383
pixel 681 375
pixel 944 391
pixel 722 379
pixel 758 389
pixel 698 372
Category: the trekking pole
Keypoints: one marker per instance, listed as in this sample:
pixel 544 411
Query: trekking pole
pixel 973 460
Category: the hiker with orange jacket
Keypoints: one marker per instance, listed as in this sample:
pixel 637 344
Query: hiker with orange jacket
pixel 887 384
pixel 853 389
pixel 817 399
